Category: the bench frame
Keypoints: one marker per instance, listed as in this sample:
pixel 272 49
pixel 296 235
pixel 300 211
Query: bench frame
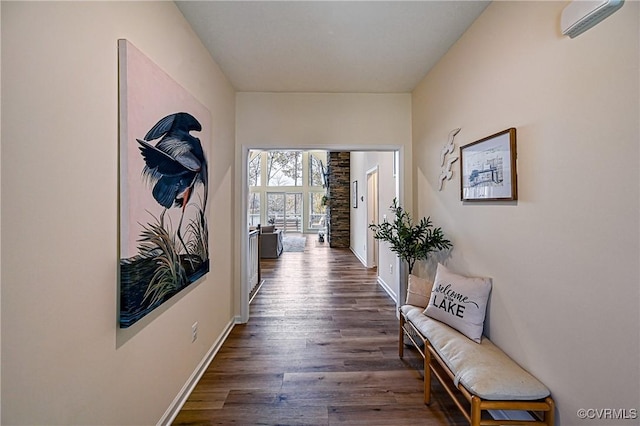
pixel 543 410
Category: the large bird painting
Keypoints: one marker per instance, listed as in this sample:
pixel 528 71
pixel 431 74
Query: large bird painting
pixel 164 187
pixel 175 165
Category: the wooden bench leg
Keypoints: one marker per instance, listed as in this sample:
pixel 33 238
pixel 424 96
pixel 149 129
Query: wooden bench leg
pixel 427 375
pixel 549 416
pixel 476 413
pixel 401 337
pixel 427 379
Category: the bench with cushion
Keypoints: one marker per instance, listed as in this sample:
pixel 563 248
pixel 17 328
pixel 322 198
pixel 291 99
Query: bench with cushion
pixel 467 364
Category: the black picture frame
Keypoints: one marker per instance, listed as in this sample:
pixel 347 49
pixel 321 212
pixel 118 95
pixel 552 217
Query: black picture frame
pixel 354 194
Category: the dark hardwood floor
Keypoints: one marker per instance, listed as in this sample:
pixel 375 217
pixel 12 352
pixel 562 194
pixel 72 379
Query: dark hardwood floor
pixel 320 349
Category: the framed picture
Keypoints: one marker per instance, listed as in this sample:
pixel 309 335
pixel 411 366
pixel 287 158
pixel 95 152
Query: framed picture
pixel 354 194
pixel 488 168
pixel 164 140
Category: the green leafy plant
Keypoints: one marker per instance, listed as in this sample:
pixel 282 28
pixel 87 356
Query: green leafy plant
pixel 410 241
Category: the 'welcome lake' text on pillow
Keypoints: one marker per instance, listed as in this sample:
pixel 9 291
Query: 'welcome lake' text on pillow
pixel 460 302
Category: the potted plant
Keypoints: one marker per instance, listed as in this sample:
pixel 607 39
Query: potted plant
pixel 410 241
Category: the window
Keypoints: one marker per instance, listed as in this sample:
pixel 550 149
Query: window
pixel 254 208
pixel 284 210
pixel 254 168
pixel 286 188
pixel 317 210
pixel 316 170
pixel 284 168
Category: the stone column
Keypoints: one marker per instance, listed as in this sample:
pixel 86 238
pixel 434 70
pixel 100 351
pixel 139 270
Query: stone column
pixel 339 208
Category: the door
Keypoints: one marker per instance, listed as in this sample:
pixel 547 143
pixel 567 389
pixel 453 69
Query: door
pixel 284 210
pixel 372 216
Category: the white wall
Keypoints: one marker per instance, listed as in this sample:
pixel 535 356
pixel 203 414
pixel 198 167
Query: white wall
pixel 564 258
pixel 358 165
pixel 361 163
pixel 323 120
pixel 64 359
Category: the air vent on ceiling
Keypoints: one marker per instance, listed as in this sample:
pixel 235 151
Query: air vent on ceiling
pixel 579 15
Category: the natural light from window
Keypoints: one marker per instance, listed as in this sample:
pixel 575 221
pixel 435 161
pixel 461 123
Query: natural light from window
pixel 294 196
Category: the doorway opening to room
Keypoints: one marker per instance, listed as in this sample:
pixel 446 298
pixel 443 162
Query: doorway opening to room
pixel 293 193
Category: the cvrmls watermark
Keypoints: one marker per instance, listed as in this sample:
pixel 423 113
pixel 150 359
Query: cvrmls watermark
pixel 608 413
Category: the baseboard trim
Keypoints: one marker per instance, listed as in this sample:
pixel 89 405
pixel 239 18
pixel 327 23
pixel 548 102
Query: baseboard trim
pixel 172 412
pixel 363 261
pixel 388 290
pixel 383 284
pixel 255 293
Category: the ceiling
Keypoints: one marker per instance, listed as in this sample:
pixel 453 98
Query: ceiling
pixel 328 46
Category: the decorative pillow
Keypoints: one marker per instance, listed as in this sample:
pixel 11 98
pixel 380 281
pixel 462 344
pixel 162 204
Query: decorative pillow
pixel 460 302
pixel 418 291
pixel 268 229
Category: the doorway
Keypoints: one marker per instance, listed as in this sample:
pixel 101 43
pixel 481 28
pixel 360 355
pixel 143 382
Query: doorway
pixel 372 216
pixel 284 210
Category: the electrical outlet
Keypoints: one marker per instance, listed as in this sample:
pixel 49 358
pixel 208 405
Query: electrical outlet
pixel 194 332
pixel 391 268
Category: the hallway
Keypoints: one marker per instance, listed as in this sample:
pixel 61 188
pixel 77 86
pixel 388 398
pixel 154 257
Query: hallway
pixel 320 349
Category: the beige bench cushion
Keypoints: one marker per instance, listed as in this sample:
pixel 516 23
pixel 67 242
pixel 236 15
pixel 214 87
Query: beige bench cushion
pixel 482 368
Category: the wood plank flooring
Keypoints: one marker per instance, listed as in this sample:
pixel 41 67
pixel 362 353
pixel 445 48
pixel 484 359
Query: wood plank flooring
pixel 320 349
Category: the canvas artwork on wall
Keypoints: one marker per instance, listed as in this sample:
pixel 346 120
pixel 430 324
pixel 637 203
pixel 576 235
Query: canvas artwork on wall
pixel 163 186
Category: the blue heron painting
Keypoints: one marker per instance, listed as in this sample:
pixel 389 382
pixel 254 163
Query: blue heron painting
pixel 164 133
pixel 168 258
pixel 176 164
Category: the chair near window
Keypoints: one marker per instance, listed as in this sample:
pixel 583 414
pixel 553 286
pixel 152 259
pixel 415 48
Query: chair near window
pixel 270 242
